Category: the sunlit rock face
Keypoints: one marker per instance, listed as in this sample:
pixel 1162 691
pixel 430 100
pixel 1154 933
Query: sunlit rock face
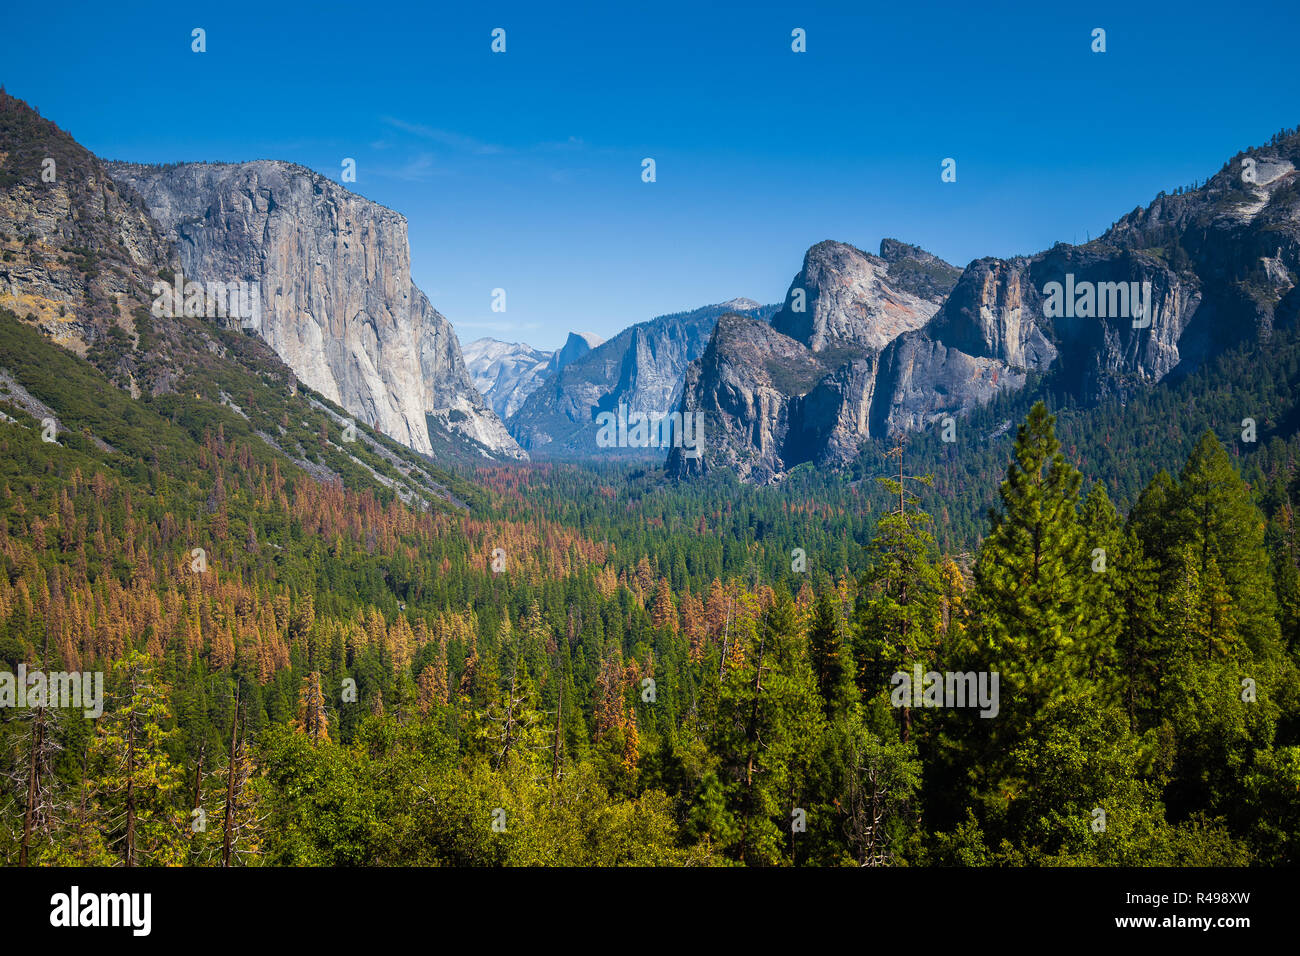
pixel 337 301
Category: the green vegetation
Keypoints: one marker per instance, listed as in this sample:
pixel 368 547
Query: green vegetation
pixel 343 678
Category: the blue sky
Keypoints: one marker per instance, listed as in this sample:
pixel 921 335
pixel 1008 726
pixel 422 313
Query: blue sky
pixel 522 170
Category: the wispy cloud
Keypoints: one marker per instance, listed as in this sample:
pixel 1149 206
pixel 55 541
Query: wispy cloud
pixel 451 140
pixel 419 169
pixel 572 144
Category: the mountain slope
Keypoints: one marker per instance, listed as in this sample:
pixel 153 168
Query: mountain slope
pixel 1216 265
pixel 802 390
pixel 81 256
pixel 642 367
pixel 1166 289
pixel 506 373
pixel 337 301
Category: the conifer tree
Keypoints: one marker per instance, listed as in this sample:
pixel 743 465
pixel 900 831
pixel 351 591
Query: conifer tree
pixel 137 782
pixel 1107 562
pixel 312 718
pixel 899 610
pixel 1035 624
pixel 767 731
pixel 1215 517
pixel 831 656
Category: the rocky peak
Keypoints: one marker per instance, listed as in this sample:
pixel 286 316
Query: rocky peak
pixel 844 298
pixel 643 368
pixel 740 304
pixel 921 273
pixel 81 254
pixel 575 347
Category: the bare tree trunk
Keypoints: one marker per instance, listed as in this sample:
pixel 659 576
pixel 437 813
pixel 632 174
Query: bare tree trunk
pixel 130 786
pixel 230 787
pixel 559 716
pixel 198 775
pixel 33 770
pixel 33 766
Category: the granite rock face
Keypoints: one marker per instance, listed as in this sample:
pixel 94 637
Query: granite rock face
pixel 846 298
pixel 806 388
pixel 575 347
pixel 337 301
pixel 643 368
pixel 1164 289
pixel 748 386
pixel 506 373
pixel 80 254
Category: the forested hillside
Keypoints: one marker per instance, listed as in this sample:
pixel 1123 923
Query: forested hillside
pixel 339 655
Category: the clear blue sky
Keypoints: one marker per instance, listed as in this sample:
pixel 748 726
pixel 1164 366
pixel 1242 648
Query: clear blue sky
pixel 523 170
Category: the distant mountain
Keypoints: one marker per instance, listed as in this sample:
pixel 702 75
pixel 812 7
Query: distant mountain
pixel 1164 290
pixel 337 303
pixel 800 389
pixel 641 368
pixel 575 347
pixel 506 373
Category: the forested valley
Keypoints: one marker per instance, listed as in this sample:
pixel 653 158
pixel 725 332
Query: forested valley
pixel 568 665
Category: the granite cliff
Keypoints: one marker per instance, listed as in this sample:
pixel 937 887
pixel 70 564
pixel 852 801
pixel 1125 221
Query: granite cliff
pixel 641 368
pixel 506 373
pixel 901 343
pixel 337 301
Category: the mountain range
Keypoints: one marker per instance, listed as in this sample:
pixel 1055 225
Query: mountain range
pixel 864 347
pixel 871 347
pixel 642 368
pixel 506 373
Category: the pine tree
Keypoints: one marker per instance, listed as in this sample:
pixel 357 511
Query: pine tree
pixel 883 777
pixel 1031 578
pixel 663 612
pixel 1216 518
pixel 312 718
pixel 831 656
pixel 898 614
pixel 767 730
pixel 1108 562
pixel 138 782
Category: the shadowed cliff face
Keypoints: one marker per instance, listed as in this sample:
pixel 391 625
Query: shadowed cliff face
pixel 506 373
pixel 742 386
pixel 642 368
pixel 80 255
pixel 337 301
pixel 1164 289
